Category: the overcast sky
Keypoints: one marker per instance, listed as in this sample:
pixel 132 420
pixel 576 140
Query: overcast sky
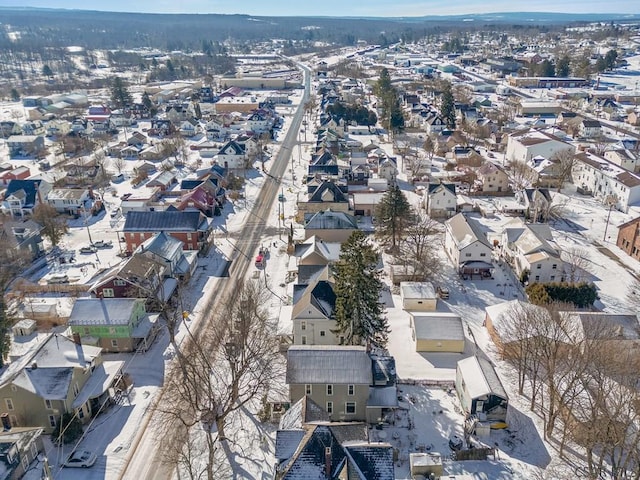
pixel 382 8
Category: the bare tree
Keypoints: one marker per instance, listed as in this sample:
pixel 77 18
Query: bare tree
pixel 566 160
pixel 220 371
pixel 521 175
pixel 576 264
pixel 118 163
pixel 420 248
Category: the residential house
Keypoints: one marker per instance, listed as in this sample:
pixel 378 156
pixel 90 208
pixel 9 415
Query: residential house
pixel 19 173
pixel 547 173
pixel 315 251
pixel 98 114
pixel 21 197
pixel 167 251
pixel 330 226
pixel 434 123
pixel 192 228
pixel 58 128
pixel 536 203
pixel 232 155
pixel 525 145
pixel 25 145
pixel 440 200
pixel 313 314
pixel 328 195
pixel 467 246
pixel 189 127
pixel 163 180
pixel 136 277
pixel 589 128
pixel 34 127
pixel 529 249
pixel 480 390
pixel 54 377
pixel 19 448
pixel 365 202
pixel 22 237
pixel 71 201
pixel 137 139
pixel 493 179
pixel 113 324
pixel 624 158
pixel 606 181
pixel 309 446
pixel 629 238
pixel 9 128
pixel 351 384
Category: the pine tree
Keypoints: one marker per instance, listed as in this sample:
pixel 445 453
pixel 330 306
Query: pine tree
pixel 359 312
pixel 393 215
pixel 120 96
pixel 447 107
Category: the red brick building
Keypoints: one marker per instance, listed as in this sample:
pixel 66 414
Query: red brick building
pixel 629 238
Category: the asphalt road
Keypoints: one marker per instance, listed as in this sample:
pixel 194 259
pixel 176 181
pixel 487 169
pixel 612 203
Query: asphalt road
pixel 143 461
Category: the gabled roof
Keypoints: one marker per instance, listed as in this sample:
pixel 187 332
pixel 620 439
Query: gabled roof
pixel 330 189
pixel 157 221
pixel 320 294
pixel 47 367
pixel 481 378
pixel 232 148
pixel 466 231
pixel 303 412
pixel 330 220
pixel 329 251
pixel 163 245
pixel 328 364
pixel 28 187
pixel 433 187
pixel 370 461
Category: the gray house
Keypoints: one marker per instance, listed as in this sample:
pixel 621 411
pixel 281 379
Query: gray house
pixel 480 390
pixel 350 383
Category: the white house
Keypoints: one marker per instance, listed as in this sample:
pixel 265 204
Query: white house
pixel 529 247
pixel 440 200
pixel 69 200
pixel 467 246
pixel 624 158
pixel 606 181
pixel 524 146
pixel 313 313
pixel 590 128
pixel 231 155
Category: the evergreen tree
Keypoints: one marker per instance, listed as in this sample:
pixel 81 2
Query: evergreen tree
pixel 393 215
pixel 447 106
pixel 46 71
pixel 359 312
pixel 120 96
pixel 563 66
pixel 15 95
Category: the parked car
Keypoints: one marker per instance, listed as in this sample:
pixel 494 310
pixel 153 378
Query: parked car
pixel 114 212
pixel 81 459
pixel 103 244
pixel 90 249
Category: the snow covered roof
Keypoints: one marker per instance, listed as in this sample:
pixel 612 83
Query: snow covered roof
pixel 328 364
pixel 103 311
pixel 419 290
pixel 466 231
pixel 101 379
pixel 437 326
pixel 480 378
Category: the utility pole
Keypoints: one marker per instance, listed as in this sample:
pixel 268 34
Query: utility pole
pixel 611 201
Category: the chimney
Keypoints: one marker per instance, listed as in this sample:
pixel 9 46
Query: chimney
pixel 76 338
pixel 34 366
pixel 6 422
pixel 327 461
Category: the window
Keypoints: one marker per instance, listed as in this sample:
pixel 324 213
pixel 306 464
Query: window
pixel 76 390
pixel 107 292
pixel 304 340
pixel 47 404
pixel 9 403
pixel 467 254
pixel 307 389
pixel 52 420
pixel 329 390
pixel 553 277
pixel 351 390
pixel 554 266
pixel 537 278
pixel 14 388
pixel 329 408
pixel 114 343
pixel 303 325
pixel 483 254
pixel 322 333
pixel 25 462
pixel 119 283
pixel 350 408
pixel 81 413
pixel 539 266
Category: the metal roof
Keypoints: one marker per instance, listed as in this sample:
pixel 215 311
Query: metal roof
pixel 170 221
pixel 328 364
pixel 102 311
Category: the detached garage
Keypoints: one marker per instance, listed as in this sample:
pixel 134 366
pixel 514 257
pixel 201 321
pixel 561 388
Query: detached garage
pixel 418 296
pixel 437 332
pixel 480 390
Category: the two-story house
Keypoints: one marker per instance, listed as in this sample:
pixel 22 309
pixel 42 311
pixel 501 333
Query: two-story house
pixel 56 376
pixel 530 251
pixel 467 246
pixel 232 155
pixel 330 226
pixel 71 201
pixel 629 238
pixel 21 238
pixel 21 197
pixel 440 200
pixel 349 382
pixel 327 195
pixel 313 314
pixel 493 179
pixel 113 324
pixel 522 146
pixel 25 144
pixel 19 448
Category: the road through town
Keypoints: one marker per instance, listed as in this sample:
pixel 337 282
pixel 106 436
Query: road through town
pixel 144 458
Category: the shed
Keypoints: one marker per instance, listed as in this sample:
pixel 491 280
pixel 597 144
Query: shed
pixel 426 464
pixel 24 327
pixel 480 390
pixel 437 332
pixel 418 296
